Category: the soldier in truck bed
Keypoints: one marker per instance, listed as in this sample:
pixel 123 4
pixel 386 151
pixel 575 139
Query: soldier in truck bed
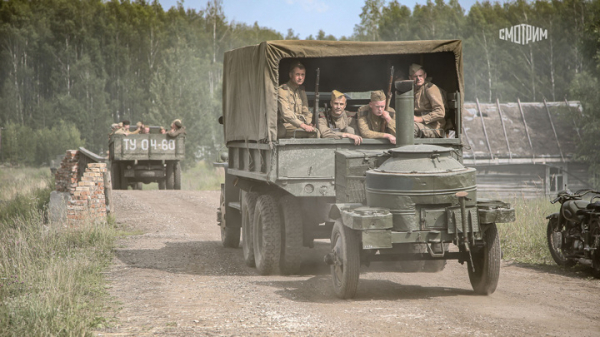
pixel 335 123
pixel 177 129
pixel 374 121
pixel 429 105
pixel 292 103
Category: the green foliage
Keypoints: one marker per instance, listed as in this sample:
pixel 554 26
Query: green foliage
pixel 21 144
pixel 51 281
pixel 93 63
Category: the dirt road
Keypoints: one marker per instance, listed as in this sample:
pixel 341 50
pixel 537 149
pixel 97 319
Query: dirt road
pixel 175 278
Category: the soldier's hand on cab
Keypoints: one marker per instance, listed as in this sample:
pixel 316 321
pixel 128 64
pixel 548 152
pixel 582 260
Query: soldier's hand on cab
pixel 307 128
pixel 391 138
pixel 418 119
pixel 357 139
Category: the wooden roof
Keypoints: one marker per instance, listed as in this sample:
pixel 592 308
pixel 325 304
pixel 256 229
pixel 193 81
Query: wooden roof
pixel 520 132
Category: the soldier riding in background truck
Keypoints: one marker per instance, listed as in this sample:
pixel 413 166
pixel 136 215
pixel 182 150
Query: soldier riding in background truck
pixel 399 201
pixel 147 154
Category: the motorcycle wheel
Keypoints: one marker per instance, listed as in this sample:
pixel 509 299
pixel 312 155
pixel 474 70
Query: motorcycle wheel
pixel 594 232
pixel 553 235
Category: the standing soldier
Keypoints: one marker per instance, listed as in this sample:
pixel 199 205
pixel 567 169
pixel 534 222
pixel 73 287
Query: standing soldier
pixel 374 121
pixel 335 123
pixel 429 105
pixel 293 106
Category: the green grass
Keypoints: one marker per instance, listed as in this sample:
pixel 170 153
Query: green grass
pixel 525 239
pixel 202 177
pixel 51 281
pixel 22 181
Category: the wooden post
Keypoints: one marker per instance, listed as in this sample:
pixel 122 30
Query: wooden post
pixel 554 129
pixel 526 128
pixel 487 140
pixel 503 127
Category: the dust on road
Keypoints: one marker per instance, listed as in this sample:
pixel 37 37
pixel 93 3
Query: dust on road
pixel 174 278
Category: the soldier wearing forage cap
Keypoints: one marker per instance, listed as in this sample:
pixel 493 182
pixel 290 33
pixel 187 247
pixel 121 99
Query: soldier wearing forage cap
pixel 124 130
pixel 138 130
pixel 376 122
pixel 429 105
pixel 177 129
pixel 293 109
pixel 335 123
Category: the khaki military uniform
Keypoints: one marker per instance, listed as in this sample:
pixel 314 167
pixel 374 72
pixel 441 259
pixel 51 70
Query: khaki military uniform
pixel 331 126
pixel 122 131
pixel 176 133
pixel 371 126
pixel 293 111
pixel 429 104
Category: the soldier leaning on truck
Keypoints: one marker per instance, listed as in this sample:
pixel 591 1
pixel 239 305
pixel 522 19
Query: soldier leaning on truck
pixel 177 129
pixel 293 109
pixel 374 121
pixel 124 130
pixel 429 105
pixel 335 123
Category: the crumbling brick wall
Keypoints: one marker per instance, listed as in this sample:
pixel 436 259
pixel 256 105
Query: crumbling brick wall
pixel 86 200
pixel 66 176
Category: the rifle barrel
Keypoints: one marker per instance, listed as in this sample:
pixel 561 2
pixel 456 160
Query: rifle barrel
pixel 316 113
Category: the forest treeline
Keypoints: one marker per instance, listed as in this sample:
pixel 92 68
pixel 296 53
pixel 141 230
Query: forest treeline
pixel 73 67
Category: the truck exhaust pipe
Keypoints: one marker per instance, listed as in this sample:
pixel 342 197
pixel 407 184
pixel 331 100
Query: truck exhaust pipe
pixel 405 110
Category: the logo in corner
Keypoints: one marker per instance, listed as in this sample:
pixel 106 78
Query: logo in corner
pixel 523 34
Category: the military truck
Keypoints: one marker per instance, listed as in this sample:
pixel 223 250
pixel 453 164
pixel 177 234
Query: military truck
pixel 400 205
pixel 146 158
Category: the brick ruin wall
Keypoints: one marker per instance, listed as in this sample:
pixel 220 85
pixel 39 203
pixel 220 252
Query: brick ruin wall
pixel 86 197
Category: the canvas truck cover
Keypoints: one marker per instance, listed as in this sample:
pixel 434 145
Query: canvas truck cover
pixel 252 75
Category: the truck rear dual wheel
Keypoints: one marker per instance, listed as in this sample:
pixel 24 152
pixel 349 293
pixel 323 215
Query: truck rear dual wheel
pixel 170 181
pixel 115 172
pixel 173 177
pixel 177 175
pixel 292 236
pixel 267 234
pixel 248 206
pixel 124 181
pixel 486 261
pixel 345 269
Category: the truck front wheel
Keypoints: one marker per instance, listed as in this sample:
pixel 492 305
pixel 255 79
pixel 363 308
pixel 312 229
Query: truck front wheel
pixel 267 234
pixel 345 260
pixel 486 262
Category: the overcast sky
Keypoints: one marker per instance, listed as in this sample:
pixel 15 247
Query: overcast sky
pixel 305 17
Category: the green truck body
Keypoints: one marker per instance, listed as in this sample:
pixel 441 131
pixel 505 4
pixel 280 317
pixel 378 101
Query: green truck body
pixel 401 204
pixel 146 158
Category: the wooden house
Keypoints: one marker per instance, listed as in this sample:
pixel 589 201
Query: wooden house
pixel 523 149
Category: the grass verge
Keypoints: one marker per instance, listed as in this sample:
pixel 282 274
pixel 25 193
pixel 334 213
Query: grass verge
pixel 525 239
pixel 51 281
